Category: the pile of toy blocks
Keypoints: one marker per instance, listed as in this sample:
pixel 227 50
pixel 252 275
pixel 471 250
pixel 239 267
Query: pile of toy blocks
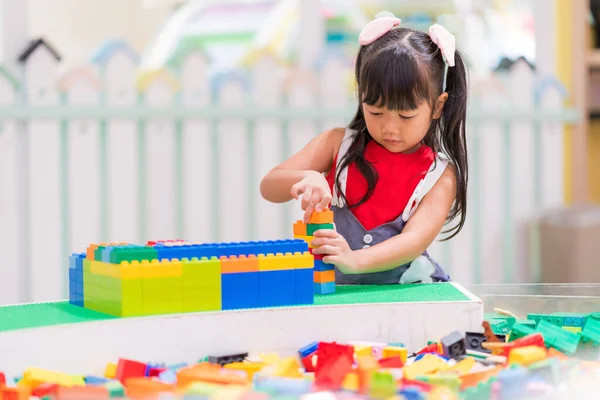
pixel 176 276
pixel 324 276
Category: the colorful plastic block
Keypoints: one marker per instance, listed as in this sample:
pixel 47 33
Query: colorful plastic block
pixel 324 288
pixel 312 228
pixel 321 217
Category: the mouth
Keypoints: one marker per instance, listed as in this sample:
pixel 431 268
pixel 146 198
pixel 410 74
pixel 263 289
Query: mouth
pixel 392 141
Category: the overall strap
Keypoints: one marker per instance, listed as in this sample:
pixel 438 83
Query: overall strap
pixel 337 200
pixel 435 172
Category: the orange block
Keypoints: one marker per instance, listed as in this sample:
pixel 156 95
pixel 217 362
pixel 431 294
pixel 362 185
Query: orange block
pixel 208 373
pixel 321 217
pixel 299 228
pixel 324 276
pixel 15 393
pixel 89 254
pixel 237 264
pixel 145 387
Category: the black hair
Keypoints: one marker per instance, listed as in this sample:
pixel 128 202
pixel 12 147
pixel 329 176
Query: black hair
pixel 399 71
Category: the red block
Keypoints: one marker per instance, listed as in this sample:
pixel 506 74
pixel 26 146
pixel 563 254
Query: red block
pixel 308 362
pixel 44 390
pixel 327 353
pixel 154 372
pixel 317 256
pixel 2 379
pixel 391 362
pixel 130 369
pixel 432 348
pixel 332 376
pixel 534 339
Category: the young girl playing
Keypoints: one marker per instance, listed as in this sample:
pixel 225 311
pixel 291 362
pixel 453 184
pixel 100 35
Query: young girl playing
pixel 398 173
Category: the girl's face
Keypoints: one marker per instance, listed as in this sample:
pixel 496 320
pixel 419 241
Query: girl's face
pixel 401 131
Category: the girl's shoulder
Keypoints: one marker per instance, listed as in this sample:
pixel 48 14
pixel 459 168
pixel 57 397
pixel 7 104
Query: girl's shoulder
pixel 336 136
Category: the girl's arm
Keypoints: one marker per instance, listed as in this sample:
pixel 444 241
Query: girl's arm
pixel 419 232
pixel 315 158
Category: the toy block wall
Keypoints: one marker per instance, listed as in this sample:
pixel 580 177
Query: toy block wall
pixel 128 280
pixel 323 274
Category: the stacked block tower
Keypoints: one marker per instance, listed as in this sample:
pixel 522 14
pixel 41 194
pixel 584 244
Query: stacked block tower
pixel 176 276
pixel 324 276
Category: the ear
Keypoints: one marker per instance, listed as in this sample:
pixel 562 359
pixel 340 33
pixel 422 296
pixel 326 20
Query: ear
pixel 439 105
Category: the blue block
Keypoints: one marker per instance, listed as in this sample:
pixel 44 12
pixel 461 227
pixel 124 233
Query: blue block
pixel 79 261
pixel 321 266
pixel 73 261
pixel 308 349
pixel 168 376
pixel 277 288
pixel 324 288
pixel 95 380
pixel 412 393
pixel 240 290
pixel 106 254
pixel 230 249
pixel 305 292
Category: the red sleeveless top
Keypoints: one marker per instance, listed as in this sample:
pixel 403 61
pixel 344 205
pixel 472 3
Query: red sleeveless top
pixel 399 175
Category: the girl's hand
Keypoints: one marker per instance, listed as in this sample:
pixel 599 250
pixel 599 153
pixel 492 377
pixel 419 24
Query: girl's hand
pixel 337 250
pixel 315 192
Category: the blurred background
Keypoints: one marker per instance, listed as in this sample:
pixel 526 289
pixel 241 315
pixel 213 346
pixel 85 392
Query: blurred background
pixel 136 120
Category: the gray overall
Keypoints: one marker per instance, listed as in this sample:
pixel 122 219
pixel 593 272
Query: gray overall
pixel 424 269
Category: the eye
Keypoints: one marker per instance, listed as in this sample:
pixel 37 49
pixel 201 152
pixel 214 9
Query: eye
pixel 407 116
pixel 374 113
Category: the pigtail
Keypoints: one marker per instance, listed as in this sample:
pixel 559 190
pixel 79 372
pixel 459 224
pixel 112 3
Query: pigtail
pixel 453 140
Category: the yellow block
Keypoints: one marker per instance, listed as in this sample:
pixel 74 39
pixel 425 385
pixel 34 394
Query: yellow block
pixel 307 239
pixel 574 329
pixel 161 269
pixel 350 382
pixel 526 355
pixel 392 351
pixel 36 376
pixel 129 270
pixel 288 368
pixel 429 364
pixel 99 268
pixel 464 366
pixel 281 262
pixel 362 351
pixel 249 368
pixel 110 371
pixel 303 260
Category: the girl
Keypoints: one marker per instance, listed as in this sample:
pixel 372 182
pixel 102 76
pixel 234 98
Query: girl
pixel 398 172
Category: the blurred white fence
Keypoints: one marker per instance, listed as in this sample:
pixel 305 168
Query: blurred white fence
pixel 106 153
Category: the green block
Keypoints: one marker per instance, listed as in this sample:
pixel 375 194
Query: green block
pixel 98 253
pixel 115 389
pixel 312 228
pixel 520 330
pixel 557 320
pixel 558 338
pixel 87 265
pixel 119 255
pixel 169 283
pixel 382 385
pixel 203 272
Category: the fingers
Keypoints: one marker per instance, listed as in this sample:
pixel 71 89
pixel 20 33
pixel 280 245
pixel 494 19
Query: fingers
pixel 327 249
pixel 325 200
pixel 306 197
pixel 321 241
pixel 297 189
pixel 326 233
pixel 329 259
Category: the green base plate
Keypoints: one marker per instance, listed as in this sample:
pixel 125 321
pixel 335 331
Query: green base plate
pixel 36 315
